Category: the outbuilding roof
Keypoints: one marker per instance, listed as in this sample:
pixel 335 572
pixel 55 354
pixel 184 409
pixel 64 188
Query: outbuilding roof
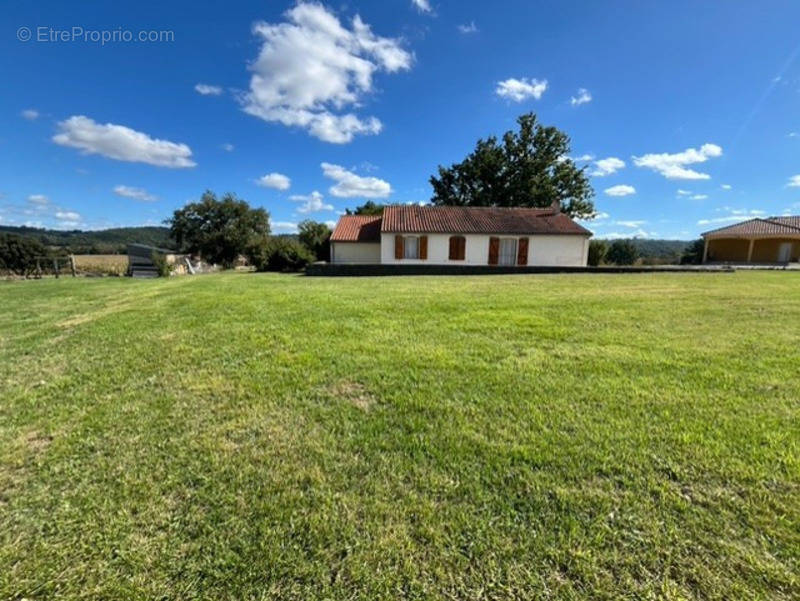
pixel 357 228
pixel 477 220
pixel 766 226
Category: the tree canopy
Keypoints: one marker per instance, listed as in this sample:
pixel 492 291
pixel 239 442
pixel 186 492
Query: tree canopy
pixel 622 252
pixel 18 254
pixel 315 236
pixel 219 230
pixel 368 208
pixel 529 168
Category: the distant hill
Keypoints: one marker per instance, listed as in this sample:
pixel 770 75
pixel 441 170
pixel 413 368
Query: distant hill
pixel 111 241
pixel 660 251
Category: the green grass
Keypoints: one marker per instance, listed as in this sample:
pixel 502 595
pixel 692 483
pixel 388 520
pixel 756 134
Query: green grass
pixel 279 437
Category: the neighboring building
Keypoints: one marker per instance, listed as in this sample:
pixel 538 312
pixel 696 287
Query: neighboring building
pixel 762 240
pixel 413 234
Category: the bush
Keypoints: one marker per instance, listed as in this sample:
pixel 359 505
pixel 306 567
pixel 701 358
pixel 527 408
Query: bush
pixel 280 254
pixel 18 254
pixel 693 255
pixel 622 252
pixel 162 266
pixel 597 252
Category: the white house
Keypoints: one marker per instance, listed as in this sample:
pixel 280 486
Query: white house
pixel 413 234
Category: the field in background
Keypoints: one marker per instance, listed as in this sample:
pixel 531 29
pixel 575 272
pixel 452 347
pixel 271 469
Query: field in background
pixel 101 264
pixel 257 436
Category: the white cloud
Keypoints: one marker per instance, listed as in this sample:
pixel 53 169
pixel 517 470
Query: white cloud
pixel 311 202
pixel 726 186
pixel 134 193
pixel 227 147
pixel 69 216
pixel 684 192
pixel 608 166
pixel 639 233
pixel 121 143
pixel 311 65
pixel 673 166
pixel 30 114
pixel 699 196
pixel 736 215
pixel 284 227
pixel 468 28
pixel 583 97
pixel 207 90
pixel 520 89
pixel 424 6
pixel 278 181
pixel 39 200
pixel 794 181
pixel 632 224
pixel 620 190
pixel 792 134
pixel 350 185
pixel 584 157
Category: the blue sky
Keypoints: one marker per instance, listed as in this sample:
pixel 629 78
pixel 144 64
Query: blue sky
pixel 686 113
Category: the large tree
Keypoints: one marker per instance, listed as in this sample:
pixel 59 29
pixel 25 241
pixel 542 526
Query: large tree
pixel 368 208
pixel 315 236
pixel 529 168
pixel 219 230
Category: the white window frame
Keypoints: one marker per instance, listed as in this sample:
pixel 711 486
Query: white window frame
pixel 500 255
pixel 406 255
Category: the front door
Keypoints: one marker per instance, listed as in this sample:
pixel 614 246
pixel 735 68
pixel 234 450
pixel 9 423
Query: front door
pixel 784 252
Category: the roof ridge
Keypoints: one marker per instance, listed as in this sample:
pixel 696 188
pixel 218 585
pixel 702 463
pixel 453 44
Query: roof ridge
pixel 774 218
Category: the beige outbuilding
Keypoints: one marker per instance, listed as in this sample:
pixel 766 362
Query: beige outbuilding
pixel 760 241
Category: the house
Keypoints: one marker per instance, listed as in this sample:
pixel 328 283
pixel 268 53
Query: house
pixel 414 235
pixel 762 240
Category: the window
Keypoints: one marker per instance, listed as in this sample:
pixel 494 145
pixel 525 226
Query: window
pixel 411 247
pixel 508 251
pixel 458 246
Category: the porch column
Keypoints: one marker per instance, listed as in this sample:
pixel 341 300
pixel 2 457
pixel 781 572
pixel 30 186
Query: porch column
pixel 705 250
pixel 750 250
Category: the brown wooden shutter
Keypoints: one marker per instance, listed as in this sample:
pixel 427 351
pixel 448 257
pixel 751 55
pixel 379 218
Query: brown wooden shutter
pixel 457 248
pixel 522 251
pixel 423 247
pixel 462 248
pixel 494 250
pixel 398 247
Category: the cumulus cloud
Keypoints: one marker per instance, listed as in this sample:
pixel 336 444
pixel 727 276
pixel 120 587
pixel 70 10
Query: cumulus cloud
pixel 583 97
pixel 227 147
pixel 311 67
pixel 794 181
pixel 607 166
pixel 699 196
pixel 121 143
pixel 726 186
pixel 71 216
pixel 584 158
pixel 207 90
pixel 734 216
pixel 632 224
pixel 684 192
pixel 674 166
pixel 423 6
pixel 620 190
pixel 311 202
pixel 134 193
pixel 468 27
pixel 518 90
pixel 350 185
pixel 278 181
pixel 30 114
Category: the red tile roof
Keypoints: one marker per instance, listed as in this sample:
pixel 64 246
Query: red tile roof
pixel 477 220
pixel 357 228
pixel 767 226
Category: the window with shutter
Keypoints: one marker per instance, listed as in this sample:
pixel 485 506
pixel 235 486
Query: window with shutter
pixel 411 247
pixel 398 247
pixel 522 252
pixel 494 250
pixel 508 251
pixel 458 245
pixel 423 247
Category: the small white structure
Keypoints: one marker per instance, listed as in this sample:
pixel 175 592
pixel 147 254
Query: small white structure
pixel 411 234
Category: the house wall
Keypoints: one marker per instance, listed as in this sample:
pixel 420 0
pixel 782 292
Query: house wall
pixel 559 250
pixel 355 252
pixel 734 250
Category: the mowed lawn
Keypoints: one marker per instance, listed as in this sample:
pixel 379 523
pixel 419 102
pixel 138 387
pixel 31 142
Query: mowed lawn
pixel 246 436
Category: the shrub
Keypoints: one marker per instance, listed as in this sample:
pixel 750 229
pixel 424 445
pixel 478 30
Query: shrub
pixel 18 254
pixel 162 266
pixel 597 252
pixel 622 252
pixel 281 254
pixel 693 255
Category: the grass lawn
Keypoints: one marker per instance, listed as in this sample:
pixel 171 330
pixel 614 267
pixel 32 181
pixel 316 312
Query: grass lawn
pixel 246 436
